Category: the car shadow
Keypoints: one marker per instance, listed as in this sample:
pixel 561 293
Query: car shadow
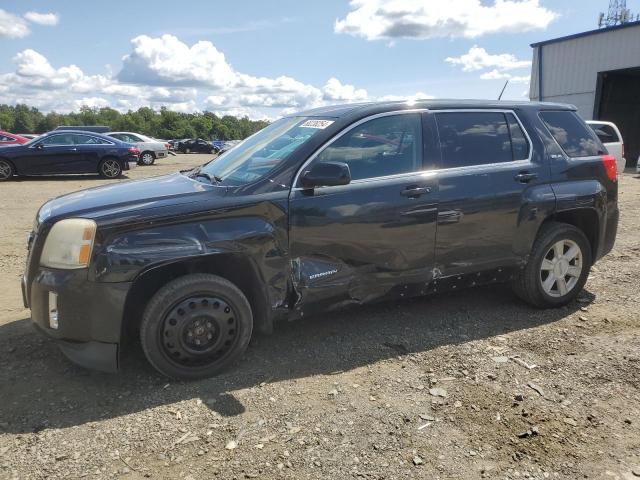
pixel 41 389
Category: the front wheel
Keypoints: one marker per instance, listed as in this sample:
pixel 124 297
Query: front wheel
pixel 6 170
pixel 196 326
pixel 110 168
pixel 558 267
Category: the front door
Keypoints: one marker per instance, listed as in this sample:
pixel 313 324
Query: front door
pixel 375 237
pixel 53 154
pixel 488 179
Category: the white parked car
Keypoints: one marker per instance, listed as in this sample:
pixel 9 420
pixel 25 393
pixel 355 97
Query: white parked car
pixel 150 148
pixel 611 137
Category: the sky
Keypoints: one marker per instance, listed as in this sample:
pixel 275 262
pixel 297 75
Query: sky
pixel 268 59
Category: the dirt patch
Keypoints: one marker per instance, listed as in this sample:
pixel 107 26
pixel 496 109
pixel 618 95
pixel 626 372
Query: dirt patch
pixel 468 385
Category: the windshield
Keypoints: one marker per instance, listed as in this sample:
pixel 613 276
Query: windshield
pixel 256 156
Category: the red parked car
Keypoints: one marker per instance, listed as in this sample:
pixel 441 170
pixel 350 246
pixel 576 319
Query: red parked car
pixel 7 138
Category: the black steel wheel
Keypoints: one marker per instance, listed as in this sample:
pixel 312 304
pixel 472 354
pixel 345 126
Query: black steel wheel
pixel 196 326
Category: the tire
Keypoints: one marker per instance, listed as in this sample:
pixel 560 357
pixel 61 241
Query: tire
pixel 551 279
pixel 110 168
pixel 6 170
pixel 147 158
pixel 196 326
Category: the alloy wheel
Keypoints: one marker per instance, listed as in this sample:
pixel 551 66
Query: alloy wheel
pixel 561 268
pixel 5 170
pixel 111 168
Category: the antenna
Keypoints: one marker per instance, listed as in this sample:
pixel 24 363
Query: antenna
pixel 618 14
pixel 503 89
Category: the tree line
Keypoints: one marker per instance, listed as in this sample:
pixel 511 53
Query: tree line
pixel 164 124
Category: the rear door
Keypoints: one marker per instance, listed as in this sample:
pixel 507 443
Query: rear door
pixel 375 236
pixel 486 176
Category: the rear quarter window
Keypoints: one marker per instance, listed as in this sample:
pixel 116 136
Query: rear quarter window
pixel 572 134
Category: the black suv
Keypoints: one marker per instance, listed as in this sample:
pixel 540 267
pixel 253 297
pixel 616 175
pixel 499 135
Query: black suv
pixel 327 208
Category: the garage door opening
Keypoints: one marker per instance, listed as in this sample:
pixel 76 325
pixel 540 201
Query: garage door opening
pixel 618 101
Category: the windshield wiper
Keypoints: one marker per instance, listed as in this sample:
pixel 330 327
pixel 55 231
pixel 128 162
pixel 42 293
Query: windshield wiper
pixel 199 173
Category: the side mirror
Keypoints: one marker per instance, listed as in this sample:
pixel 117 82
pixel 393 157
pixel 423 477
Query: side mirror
pixel 38 146
pixel 326 174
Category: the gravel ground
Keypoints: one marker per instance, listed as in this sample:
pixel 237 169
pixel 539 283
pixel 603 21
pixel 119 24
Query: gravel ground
pixel 467 385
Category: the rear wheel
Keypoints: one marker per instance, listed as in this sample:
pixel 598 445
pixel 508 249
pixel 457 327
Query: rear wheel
pixel 196 326
pixel 110 168
pixel 147 158
pixel 6 170
pixel 558 267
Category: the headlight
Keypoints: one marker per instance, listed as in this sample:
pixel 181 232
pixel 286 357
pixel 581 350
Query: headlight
pixel 69 244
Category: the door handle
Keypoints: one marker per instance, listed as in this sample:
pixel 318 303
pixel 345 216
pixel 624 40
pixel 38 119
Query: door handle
pixel 414 192
pixel 525 177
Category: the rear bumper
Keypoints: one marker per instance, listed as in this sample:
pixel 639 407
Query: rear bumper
pixel 610 233
pixel 89 315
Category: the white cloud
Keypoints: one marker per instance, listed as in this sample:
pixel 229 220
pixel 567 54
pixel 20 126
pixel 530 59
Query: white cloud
pixel 478 58
pixel 48 19
pixel 337 91
pixel 164 71
pixel 423 19
pixel 12 26
pixel 168 61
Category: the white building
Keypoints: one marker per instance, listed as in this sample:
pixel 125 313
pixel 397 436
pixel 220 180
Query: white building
pixel 598 72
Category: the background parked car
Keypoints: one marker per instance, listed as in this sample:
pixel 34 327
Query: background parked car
pixel 28 136
pixel 610 136
pixel 228 145
pixel 66 152
pixel 194 145
pixel 150 148
pixel 86 128
pixel 7 138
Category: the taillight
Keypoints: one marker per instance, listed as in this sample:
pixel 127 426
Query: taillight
pixel 622 151
pixel 611 167
pixel 134 150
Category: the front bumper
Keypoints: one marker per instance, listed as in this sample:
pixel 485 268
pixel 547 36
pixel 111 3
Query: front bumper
pixel 89 315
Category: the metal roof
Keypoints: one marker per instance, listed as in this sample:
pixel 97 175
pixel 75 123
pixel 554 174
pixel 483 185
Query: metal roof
pixel 586 34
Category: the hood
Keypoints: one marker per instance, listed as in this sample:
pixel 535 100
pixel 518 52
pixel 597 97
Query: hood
pixel 128 196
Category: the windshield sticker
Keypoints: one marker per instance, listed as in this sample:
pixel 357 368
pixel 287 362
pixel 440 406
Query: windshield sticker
pixel 318 124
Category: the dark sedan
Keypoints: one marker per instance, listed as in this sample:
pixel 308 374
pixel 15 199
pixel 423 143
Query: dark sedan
pixel 194 145
pixel 68 152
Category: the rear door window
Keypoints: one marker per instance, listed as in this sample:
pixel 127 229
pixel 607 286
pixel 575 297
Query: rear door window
pixel 477 138
pixel 89 140
pixel 572 134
